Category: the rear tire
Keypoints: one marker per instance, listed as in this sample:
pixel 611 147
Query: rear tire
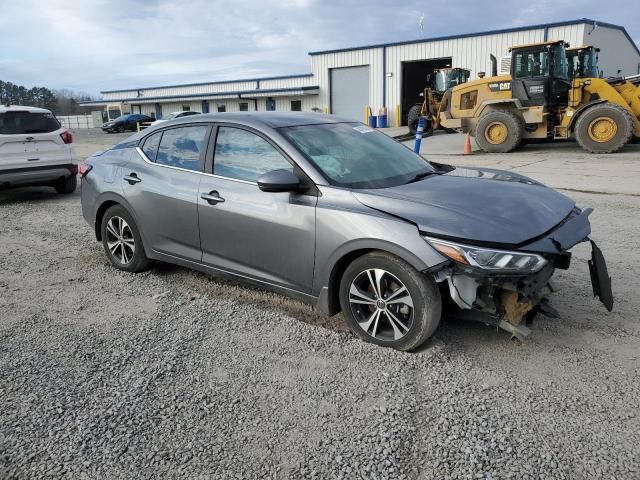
pixel 412 120
pixel 67 185
pixel 499 131
pixel 122 241
pixel 604 128
pixel 409 312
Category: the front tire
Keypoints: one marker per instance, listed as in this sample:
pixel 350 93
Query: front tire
pixel 499 131
pixel 122 241
pixel 67 185
pixel 120 129
pixel 604 128
pixel 387 302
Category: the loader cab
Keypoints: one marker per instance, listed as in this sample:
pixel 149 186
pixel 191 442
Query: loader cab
pixel 583 62
pixel 443 79
pixel 540 74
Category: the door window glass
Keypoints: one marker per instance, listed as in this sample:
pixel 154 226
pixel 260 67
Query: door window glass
pixel 181 147
pixel 150 146
pixel 531 64
pixel 244 155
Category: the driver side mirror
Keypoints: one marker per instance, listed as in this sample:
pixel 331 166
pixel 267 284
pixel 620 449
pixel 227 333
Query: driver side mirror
pixel 279 180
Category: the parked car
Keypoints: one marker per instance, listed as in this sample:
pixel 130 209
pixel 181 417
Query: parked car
pixel 35 150
pixel 125 122
pixel 338 215
pixel 174 115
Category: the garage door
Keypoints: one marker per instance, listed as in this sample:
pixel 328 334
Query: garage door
pixel 350 92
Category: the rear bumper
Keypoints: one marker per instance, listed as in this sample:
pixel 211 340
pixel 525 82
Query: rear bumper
pixel 36 175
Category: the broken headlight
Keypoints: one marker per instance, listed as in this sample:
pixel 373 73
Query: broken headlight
pixel 488 258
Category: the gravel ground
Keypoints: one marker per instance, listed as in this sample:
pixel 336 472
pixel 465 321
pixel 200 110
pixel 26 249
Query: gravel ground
pixel 175 374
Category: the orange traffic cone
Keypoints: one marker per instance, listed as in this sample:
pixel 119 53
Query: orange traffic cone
pixel 467 145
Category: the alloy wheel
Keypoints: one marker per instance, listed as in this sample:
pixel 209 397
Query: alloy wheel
pixel 381 304
pixel 120 240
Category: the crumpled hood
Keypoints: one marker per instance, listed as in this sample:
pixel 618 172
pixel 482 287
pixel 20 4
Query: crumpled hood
pixel 479 205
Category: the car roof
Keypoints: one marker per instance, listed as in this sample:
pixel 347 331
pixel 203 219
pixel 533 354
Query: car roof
pixel 272 119
pixel 269 119
pixel 20 108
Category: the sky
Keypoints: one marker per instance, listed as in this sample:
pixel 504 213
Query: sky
pixel 94 45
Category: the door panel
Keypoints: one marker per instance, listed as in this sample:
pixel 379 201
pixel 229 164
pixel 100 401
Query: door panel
pixel 268 236
pixel 262 235
pixel 161 183
pixel 165 204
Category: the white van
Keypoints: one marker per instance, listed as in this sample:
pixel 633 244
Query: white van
pixel 35 150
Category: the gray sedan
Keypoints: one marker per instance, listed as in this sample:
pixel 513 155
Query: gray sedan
pixel 337 215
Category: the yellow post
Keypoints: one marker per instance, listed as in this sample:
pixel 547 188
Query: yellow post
pixel 366 116
pixel 398 115
pixel 138 126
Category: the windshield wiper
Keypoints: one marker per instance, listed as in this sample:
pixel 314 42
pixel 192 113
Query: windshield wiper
pixel 421 175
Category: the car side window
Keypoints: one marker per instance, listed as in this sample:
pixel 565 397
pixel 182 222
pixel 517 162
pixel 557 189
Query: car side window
pixel 181 147
pixel 242 155
pixel 150 146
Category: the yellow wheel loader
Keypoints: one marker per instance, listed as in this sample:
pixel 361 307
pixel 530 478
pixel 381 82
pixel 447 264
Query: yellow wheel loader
pixel 538 101
pixel 439 85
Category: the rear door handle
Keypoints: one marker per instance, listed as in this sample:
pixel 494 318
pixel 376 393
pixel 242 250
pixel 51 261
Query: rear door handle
pixel 212 197
pixel 132 178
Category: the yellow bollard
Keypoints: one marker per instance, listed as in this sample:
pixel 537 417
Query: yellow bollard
pixel 366 115
pixel 398 115
pixel 138 126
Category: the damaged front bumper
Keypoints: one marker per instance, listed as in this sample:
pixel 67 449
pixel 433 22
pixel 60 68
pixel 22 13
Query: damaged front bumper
pixel 510 300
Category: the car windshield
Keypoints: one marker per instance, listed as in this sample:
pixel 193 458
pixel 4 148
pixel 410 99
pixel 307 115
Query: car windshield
pixel 27 122
pixel 120 118
pixel 353 155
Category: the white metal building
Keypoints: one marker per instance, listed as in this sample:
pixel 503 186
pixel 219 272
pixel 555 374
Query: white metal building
pixel 391 75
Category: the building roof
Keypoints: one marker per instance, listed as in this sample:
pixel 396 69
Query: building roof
pixel 578 21
pixel 239 94
pixel 220 82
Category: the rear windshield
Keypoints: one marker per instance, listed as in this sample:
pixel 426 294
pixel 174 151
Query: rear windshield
pixel 12 123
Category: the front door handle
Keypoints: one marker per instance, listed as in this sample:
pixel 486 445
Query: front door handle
pixel 132 178
pixel 212 197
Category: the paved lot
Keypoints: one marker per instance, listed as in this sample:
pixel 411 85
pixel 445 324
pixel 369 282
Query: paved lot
pixel 172 373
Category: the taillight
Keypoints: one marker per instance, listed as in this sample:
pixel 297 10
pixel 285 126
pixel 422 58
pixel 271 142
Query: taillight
pixel 67 137
pixel 83 169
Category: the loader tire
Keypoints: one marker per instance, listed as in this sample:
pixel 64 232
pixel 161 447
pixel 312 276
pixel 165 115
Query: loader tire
pixel 499 131
pixel 412 119
pixel 604 128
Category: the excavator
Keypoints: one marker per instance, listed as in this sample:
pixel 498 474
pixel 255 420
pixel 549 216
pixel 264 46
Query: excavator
pixel 542 100
pixel 434 97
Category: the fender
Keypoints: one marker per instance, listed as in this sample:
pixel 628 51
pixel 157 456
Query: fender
pixel 490 104
pixel 581 109
pixel 328 301
pixel 117 198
